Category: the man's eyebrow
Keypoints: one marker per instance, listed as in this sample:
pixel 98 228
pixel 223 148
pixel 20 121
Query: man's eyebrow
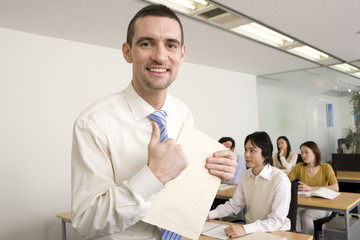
pixel 250 147
pixel 174 40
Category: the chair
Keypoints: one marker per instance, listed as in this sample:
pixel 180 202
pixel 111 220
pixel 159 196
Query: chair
pixel 293 205
pixel 318 234
pixel 299 159
pixel 342 146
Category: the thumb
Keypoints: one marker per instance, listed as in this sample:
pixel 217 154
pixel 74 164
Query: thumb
pixel 155 135
pixel 227 144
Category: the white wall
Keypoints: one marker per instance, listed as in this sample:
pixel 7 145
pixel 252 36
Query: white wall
pixel 299 112
pixel 346 117
pixel 282 112
pixel 46 83
pixel 317 130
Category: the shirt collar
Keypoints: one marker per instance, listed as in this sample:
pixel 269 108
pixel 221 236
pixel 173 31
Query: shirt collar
pixel 265 173
pixel 139 107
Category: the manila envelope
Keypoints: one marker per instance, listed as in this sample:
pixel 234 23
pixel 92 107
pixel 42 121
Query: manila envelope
pixel 183 205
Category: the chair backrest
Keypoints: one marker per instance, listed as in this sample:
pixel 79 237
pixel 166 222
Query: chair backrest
pixel 293 204
pixel 299 159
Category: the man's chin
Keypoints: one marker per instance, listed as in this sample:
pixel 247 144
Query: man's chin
pixel 159 86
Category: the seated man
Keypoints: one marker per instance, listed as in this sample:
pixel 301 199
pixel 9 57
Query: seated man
pixel 263 189
pixel 240 161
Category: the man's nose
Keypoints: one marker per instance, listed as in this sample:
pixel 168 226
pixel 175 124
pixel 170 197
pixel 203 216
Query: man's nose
pixel 159 54
pixel 246 153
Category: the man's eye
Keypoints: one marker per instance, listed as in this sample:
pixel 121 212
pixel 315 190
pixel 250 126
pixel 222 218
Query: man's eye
pixel 145 44
pixel 172 45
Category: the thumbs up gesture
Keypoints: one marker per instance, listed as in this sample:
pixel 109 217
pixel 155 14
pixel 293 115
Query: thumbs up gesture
pixel 166 159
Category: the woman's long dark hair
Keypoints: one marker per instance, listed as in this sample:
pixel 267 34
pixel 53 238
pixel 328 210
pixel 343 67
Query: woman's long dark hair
pixel 288 149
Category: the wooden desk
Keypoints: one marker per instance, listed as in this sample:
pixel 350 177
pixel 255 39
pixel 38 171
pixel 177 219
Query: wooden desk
pixel 65 217
pixel 288 235
pixel 226 193
pixel 343 203
pixel 348 176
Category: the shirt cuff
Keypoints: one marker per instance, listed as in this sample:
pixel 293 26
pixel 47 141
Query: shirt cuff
pixel 249 228
pixel 145 184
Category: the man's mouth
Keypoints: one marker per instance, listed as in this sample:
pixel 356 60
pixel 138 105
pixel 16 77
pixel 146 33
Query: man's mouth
pixel 159 70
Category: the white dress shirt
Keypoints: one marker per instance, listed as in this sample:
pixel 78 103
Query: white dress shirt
pixel 112 186
pixel 276 218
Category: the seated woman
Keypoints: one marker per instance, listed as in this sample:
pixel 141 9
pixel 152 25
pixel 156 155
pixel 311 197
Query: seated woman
pixel 312 175
pixel 263 189
pixel 284 159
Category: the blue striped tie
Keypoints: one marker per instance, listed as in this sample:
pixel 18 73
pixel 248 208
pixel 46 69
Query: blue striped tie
pixel 160 118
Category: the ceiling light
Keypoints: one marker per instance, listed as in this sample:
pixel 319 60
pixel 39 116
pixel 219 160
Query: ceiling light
pixel 205 3
pixel 183 6
pixel 309 53
pixel 344 67
pixel 263 34
pixel 185 3
pixel 356 74
pixel 173 6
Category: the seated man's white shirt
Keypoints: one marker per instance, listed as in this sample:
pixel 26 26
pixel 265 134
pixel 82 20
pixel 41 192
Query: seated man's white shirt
pixel 273 218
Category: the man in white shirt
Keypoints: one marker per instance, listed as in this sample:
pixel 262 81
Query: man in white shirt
pixel 118 162
pixel 263 189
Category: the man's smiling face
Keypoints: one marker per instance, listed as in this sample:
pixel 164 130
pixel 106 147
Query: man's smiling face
pixel 156 53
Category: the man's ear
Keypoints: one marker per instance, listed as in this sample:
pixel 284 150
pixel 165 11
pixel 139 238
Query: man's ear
pixel 183 54
pixel 126 49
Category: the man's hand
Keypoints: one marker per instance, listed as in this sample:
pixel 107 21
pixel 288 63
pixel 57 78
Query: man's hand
pixel 166 159
pixel 235 231
pixel 223 163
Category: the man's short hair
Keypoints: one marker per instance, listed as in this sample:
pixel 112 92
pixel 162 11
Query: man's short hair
pixel 262 141
pixel 158 10
pixel 225 139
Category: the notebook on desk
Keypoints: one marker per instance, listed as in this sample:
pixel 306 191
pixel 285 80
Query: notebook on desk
pixel 322 192
pixel 216 230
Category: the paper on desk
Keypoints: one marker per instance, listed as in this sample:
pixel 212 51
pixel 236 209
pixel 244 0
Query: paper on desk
pixel 183 205
pixel 261 236
pixel 214 230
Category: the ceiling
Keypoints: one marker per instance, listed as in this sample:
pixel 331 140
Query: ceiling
pixel 331 26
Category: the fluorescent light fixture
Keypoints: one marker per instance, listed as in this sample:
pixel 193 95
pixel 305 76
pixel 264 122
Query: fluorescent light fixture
pixel 185 3
pixel 309 53
pixel 344 67
pixel 205 3
pixel 184 6
pixel 347 68
pixel 356 74
pixel 263 34
pixel 172 5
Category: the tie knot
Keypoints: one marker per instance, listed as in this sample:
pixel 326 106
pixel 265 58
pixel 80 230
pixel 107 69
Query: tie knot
pixel 159 117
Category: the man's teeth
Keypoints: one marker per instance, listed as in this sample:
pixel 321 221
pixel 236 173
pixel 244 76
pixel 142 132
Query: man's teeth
pixel 158 69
